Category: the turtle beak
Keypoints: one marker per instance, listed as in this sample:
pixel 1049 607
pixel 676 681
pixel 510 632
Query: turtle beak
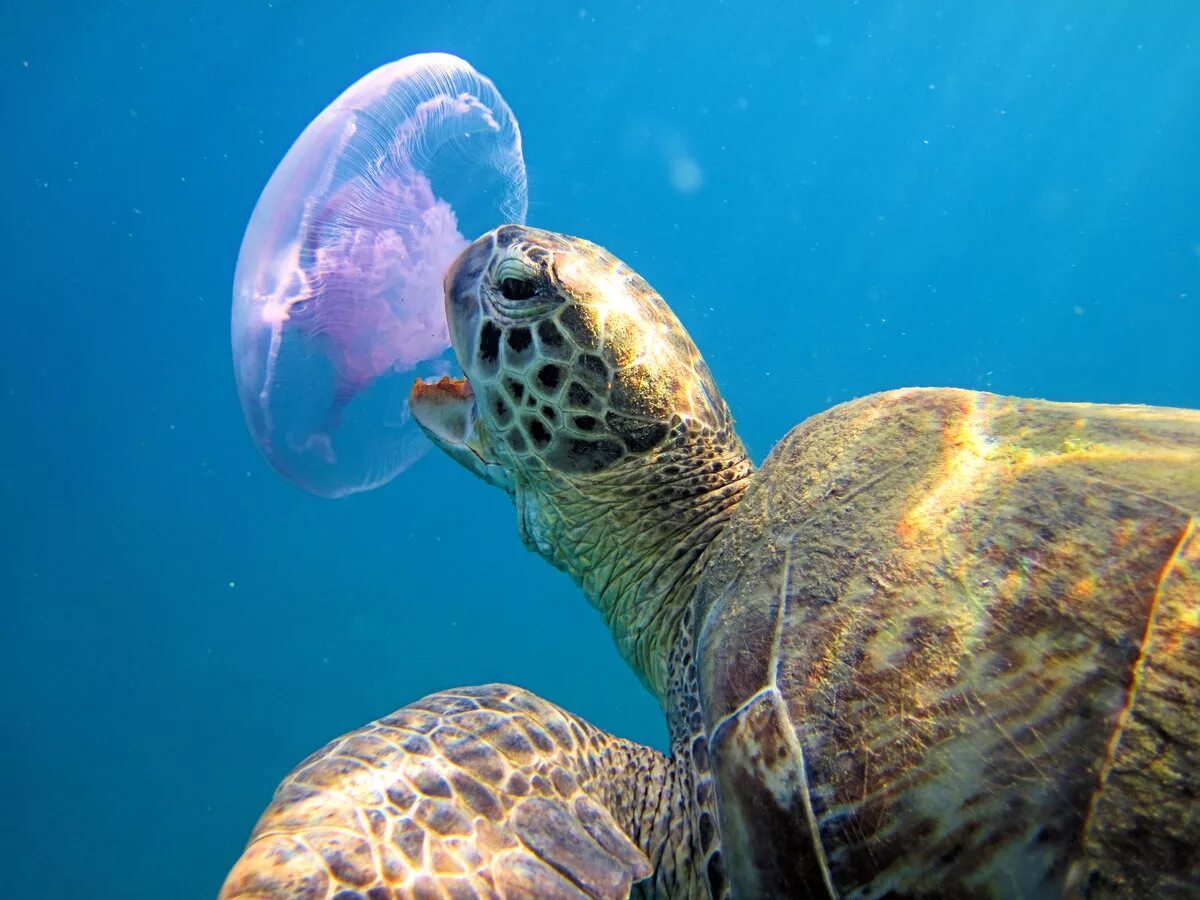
pixel 446 412
pixel 446 409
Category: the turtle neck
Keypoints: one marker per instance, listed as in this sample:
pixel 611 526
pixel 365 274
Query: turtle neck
pixel 632 537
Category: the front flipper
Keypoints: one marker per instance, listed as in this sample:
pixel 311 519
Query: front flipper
pixel 476 792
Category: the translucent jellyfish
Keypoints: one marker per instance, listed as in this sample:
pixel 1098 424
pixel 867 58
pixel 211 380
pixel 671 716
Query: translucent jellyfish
pixel 337 298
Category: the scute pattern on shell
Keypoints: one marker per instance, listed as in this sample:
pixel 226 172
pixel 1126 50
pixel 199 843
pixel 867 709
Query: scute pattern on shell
pixel 952 637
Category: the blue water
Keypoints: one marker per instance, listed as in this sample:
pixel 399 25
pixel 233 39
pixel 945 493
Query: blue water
pixel 835 201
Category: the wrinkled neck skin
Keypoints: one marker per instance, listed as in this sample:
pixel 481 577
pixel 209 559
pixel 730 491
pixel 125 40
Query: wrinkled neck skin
pixel 633 536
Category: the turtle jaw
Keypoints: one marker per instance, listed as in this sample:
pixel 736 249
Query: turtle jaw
pixel 446 411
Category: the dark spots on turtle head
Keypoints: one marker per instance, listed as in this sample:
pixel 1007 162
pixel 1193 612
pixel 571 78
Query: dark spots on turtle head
pixel 549 377
pixel 578 326
pixel 500 410
pixel 550 414
pixel 515 389
pixel 539 434
pixel 516 441
pixel 348 895
pixel 585 423
pixel 489 344
pixel 551 342
pixel 517 785
pixel 637 435
pixel 592 371
pixel 519 339
pixel 379 892
pixel 580 397
pixel 549 335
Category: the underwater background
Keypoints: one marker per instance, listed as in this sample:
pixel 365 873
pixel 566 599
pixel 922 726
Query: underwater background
pixel 836 199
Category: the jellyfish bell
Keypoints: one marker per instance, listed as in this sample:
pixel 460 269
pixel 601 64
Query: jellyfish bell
pixel 337 299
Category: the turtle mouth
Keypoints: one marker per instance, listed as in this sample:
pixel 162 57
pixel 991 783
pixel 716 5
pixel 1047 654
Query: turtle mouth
pixel 448 414
pixel 444 408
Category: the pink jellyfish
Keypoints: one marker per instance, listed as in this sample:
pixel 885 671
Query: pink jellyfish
pixel 337 299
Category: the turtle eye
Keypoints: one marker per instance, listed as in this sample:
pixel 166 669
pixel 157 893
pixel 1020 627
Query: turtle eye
pixel 517 288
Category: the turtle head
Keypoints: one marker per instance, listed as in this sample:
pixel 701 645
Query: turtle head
pixel 585 398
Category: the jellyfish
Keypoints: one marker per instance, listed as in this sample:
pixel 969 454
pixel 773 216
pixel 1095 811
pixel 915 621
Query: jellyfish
pixel 337 297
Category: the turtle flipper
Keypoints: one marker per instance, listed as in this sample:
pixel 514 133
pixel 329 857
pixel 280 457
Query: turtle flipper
pixel 475 792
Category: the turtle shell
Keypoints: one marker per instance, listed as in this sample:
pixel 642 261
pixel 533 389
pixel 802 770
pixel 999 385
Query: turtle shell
pixel 950 644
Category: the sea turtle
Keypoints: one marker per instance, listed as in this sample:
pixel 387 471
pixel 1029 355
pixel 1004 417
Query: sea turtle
pixel 942 643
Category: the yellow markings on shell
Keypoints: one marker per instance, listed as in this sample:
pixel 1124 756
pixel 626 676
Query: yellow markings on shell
pixel 1073 451
pixel 1084 588
pixel 970 449
pixel 974 457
